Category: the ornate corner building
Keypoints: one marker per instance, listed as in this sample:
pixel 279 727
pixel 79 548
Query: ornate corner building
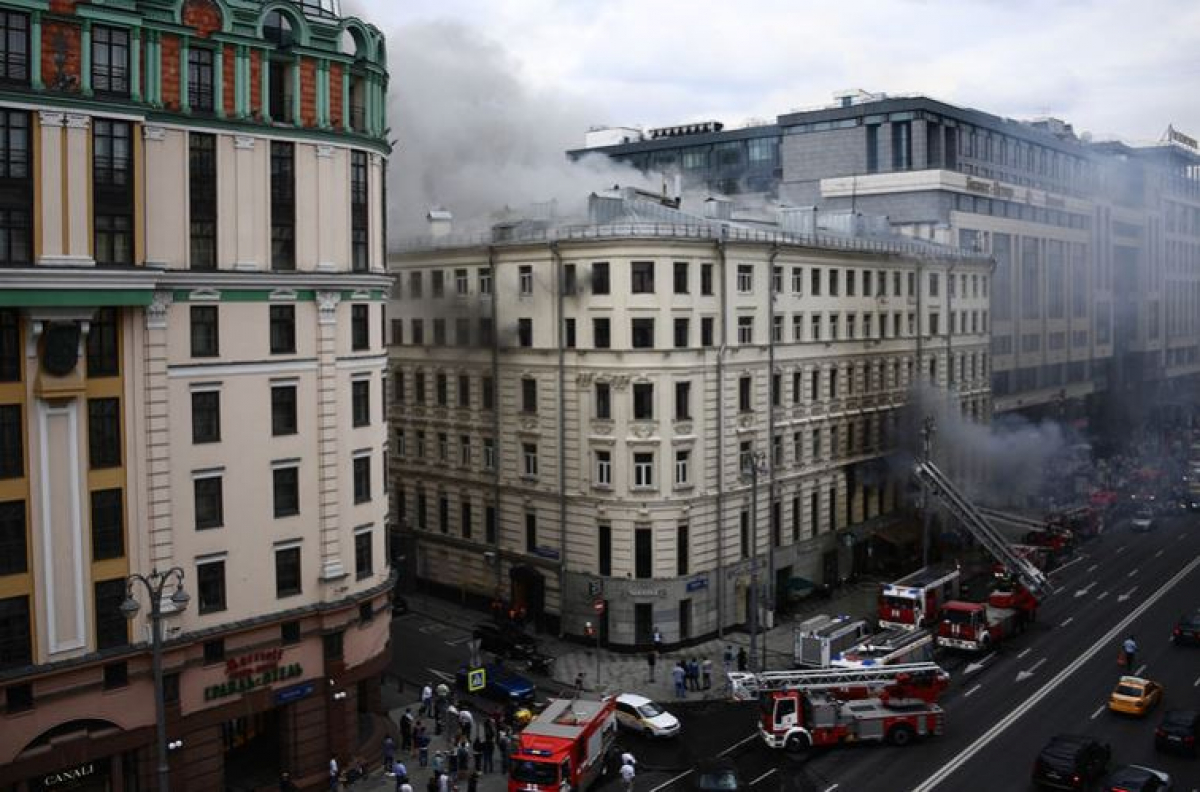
pixel 192 375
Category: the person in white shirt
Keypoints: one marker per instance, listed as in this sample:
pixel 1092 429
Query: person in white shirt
pixel 427 700
pixel 334 773
pixel 627 776
pixel 628 759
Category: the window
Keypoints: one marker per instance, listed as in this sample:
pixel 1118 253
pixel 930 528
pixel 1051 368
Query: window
pixel 286 490
pixel 205 331
pixel 360 400
pixel 489 454
pixel 604 549
pixel 462 282
pixel 643 401
pixel 834 288
pixel 214 650
pixel 362 478
pixel 360 328
pixel 797 327
pixel 202 193
pixel 797 280
pixel 415 289
pixel 110 60
pixel 570 281
pixel 706 279
pixel 745 401
pixel 443 441
pixel 210 586
pixel 851 283
pixel 16 182
pixel 643 553
pixel 200 95
pixel 437 283
pixel 209 501
pixel 529 454
pixel 283 205
pixel 103 346
pixel 776 389
pixel 464 391
pixel 112 628
pixel 283 329
pixel 642 333
pixel 487 394
pixel 531 537
pixel 359 223
pixel 744 532
pixel 642 277
pixel 464 518
pixel 683 399
pixel 529 395
pixel 525 278
pixel 682 462
pixel 112 191
pixel 104 433
pixel 745 327
pixel 601 333
pixel 333 645
pixel 14 48
pixel 287 571
pixel 603 400
pixel 600 282
pixel 681 277
pixel 289 633
pixel 418 331
pixel 902 146
pixel 283 410
pixel 603 468
pixel 643 470
pixel 13 531
pixel 681 332
pixel 777 329
pixel 525 332
pixel 12 447
pixel 16 646
pixel 439 331
pixel 706 331
pixel 206 416
pixel 814 284
pixel 485 280
pixel 745 278
pixel 364 548
pixel 569 333
pixel 116 675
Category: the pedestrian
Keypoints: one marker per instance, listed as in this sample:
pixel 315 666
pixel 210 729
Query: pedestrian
pixel 706 670
pixel 728 658
pixel 286 784
pixel 463 754
pixel 473 782
pixel 579 683
pixel 441 697
pixel 401 774
pixel 432 784
pixel 1130 647
pixel 489 728
pixel 658 640
pixel 334 773
pixel 693 669
pixel 439 762
pixel 628 758
pixel 628 773
pixel 406 731
pixel 452 723
pixel 502 745
pixel 389 753
pixel 405 786
pixel 678 674
pixel 467 722
pixel 452 761
pixel 743 660
pixel 651 660
pixel 421 744
pixel 443 783
pixel 489 750
pixel 477 749
pixel 426 700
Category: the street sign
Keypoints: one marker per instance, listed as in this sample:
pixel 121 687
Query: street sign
pixel 473 645
pixel 476 680
pixel 595 588
pixel 598 606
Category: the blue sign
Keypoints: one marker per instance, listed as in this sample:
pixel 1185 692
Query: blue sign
pixel 293 693
pixel 697 584
pixel 546 552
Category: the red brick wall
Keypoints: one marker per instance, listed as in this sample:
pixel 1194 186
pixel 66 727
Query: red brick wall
pixel 62 6
pixel 170 71
pixel 255 83
pixel 203 15
pixel 230 85
pixel 51 31
pixel 335 94
pixel 308 92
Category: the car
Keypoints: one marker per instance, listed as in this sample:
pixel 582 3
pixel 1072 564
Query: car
pixel 500 683
pixel 1143 520
pixel 718 775
pixel 1187 630
pixel 504 641
pixel 1134 696
pixel 1137 778
pixel 638 713
pixel 1178 731
pixel 1071 761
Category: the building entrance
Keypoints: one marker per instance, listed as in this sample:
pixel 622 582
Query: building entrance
pixel 251 748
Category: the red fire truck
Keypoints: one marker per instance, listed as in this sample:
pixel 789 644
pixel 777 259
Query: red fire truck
pixel 980 626
pixel 802 709
pixel 565 747
pixel 914 600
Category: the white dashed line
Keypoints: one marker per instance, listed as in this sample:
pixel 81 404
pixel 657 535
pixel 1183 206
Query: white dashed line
pixel 1093 567
pixel 1132 573
pixel 972 690
pixel 1068 621
pixel 1024 652
pixel 1098 712
pixel 764 775
pixel 1159 553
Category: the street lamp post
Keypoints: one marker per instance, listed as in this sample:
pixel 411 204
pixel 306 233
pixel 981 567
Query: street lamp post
pixel 928 429
pixel 754 465
pixel 155 584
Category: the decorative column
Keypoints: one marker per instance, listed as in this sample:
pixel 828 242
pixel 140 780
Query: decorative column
pixel 297 119
pixel 85 58
pixel 219 81
pixel 35 50
pixel 332 569
pixel 264 90
pixel 158 445
pixel 135 64
pixel 346 122
pixel 185 103
pixel 323 94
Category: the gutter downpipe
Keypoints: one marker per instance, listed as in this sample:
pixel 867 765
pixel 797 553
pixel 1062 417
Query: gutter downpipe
pixel 556 257
pixel 720 522
pixel 771 489
pixel 491 259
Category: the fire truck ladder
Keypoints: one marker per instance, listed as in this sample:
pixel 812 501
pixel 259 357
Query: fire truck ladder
pixel 745 685
pixel 1016 520
pixel 966 512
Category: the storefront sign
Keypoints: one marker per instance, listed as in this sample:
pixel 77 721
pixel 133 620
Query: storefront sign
pixel 546 552
pixel 241 684
pixel 697 584
pixel 253 663
pixel 647 592
pixel 68 776
pixel 294 693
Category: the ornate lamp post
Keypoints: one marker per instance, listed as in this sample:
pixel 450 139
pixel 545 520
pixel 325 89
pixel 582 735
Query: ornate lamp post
pixel 155 585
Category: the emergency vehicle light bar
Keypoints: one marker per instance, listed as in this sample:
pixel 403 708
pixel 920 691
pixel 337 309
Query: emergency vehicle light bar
pixel 746 686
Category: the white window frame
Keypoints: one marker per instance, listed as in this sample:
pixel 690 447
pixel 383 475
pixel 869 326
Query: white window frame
pixel 462 282
pixel 485 280
pixel 489 454
pixel 603 468
pixel 464 450
pixel 529 466
pixel 745 278
pixel 798 280
pixel 683 463
pixel 525 279
pixel 643 472
pixel 745 329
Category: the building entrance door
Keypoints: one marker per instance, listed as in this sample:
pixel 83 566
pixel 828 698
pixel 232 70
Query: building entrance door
pixel 251 746
pixel 643 623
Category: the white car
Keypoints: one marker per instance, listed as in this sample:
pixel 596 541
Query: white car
pixel 1142 521
pixel 639 713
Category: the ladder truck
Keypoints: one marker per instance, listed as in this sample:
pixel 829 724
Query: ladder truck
pixel 802 709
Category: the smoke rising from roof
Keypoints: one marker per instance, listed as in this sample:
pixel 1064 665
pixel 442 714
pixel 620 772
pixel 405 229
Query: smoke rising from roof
pixel 473 136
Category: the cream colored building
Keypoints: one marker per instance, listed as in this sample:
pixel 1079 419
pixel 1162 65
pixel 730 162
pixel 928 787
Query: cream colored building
pixel 572 407
pixel 192 343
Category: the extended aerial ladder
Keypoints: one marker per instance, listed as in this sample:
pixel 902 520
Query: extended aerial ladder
pixel 937 485
pixel 1015 520
pixel 745 685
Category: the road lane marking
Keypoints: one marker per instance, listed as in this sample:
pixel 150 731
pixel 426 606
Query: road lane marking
pixel 442 675
pixel 1132 573
pixel 458 641
pixel 1101 595
pixel 764 775
pixel 1024 652
pixel 1139 670
pixel 1096 714
pixel 1083 591
pixel 1127 594
pixel 972 690
pixel 1069 563
pixel 1093 567
pixel 671 781
pixel 1068 621
pixel 1120 549
pixel 1160 552
pixel 1196 683
pixel 1105 641
pixel 835 786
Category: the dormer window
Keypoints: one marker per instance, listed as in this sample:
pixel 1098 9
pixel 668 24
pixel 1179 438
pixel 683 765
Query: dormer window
pixel 278 30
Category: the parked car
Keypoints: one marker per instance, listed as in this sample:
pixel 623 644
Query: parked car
pixel 639 713
pixel 1178 731
pixel 504 641
pixel 500 683
pixel 1187 630
pixel 1071 761
pixel 718 775
pixel 1135 696
pixel 1143 520
pixel 1136 778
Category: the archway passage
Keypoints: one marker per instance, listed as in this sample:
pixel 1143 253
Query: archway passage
pixel 528 595
pixel 67 751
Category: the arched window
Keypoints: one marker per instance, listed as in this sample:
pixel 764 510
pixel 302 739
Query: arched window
pixel 277 29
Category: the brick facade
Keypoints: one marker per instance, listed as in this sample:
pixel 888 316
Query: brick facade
pixel 335 94
pixel 61 42
pixel 202 15
pixel 228 68
pixel 308 92
pixel 170 72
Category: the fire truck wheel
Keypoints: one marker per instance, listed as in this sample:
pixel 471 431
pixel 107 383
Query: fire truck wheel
pixel 901 734
pixel 797 743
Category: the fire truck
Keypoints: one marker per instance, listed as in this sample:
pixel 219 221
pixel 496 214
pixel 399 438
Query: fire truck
pixel 981 626
pixel 803 709
pixel 914 600
pixel 565 747
pixel 822 638
pixel 890 647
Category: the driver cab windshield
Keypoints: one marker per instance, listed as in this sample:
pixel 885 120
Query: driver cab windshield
pixel 958 616
pixel 532 772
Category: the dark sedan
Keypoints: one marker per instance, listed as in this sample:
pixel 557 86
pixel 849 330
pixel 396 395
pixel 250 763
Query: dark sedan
pixel 718 775
pixel 1178 731
pixel 1187 630
pixel 1071 761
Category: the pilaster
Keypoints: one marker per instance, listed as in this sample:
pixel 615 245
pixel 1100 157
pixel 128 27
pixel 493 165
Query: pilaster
pixel 330 458
pixel 158 439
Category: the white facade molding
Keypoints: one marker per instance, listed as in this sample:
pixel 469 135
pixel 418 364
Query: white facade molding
pixel 327 303
pixel 153 134
pixel 158 309
pixel 52 118
pixel 73 635
pixel 249 369
pixel 78 121
pixel 243 142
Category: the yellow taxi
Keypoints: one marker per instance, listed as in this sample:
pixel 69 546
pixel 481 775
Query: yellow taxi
pixel 1135 696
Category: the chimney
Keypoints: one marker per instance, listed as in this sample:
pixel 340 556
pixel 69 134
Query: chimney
pixel 440 223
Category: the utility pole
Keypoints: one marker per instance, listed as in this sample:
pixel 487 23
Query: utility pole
pixel 928 429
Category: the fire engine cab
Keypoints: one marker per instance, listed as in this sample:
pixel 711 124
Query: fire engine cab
pixel 565 747
pixel 915 600
pixel 802 709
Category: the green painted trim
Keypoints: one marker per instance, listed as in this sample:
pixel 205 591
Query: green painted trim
pixel 264 88
pixel 135 64
pixel 35 50
pixel 243 295
pixel 85 58
pixel 297 116
pixel 33 6
pixel 106 14
pixel 185 51
pixel 219 82
pixel 346 101
pixel 74 298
